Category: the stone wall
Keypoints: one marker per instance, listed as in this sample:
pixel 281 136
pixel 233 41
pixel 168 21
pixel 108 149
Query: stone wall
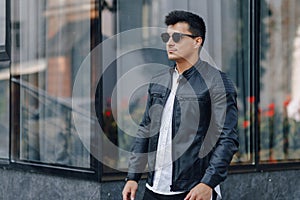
pixel 22 185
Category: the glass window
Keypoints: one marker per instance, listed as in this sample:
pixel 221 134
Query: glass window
pixel 4 112
pixel 2 22
pixel 50 40
pixel 230 52
pixel 279 81
pixel 4 88
pixel 139 54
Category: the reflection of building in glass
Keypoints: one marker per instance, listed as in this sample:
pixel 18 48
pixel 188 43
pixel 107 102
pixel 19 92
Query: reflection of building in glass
pixel 50 40
pixel 279 95
pixel 2 22
pixel 294 106
pixel 49 46
pixel 4 112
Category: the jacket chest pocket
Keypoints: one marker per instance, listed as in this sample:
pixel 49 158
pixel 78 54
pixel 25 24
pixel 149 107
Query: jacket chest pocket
pixel 157 98
pixel 193 98
pixel 193 107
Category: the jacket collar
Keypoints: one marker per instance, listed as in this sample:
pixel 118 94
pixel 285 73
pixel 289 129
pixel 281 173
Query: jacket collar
pixel 189 72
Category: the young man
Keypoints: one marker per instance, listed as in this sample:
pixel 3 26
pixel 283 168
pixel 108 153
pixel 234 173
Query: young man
pixel 188 132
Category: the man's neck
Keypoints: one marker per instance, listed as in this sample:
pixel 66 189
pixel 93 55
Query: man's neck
pixel 182 66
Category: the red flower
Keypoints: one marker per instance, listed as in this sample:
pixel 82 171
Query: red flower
pixel 271 106
pixel 251 99
pixel 270 113
pixel 287 101
pixel 108 113
pixel 246 123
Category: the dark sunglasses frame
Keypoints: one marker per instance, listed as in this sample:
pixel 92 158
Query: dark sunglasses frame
pixel 176 37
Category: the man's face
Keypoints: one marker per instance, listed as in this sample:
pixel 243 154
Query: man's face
pixel 186 47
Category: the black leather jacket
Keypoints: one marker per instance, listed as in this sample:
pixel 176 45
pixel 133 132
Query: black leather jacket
pixel 204 135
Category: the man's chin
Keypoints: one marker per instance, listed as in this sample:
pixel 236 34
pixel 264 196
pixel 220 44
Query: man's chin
pixel 173 57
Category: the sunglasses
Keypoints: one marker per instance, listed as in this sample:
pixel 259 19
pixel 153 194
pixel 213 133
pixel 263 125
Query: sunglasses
pixel 176 37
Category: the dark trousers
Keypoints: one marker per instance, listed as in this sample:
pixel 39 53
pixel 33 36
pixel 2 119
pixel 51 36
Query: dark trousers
pixel 149 195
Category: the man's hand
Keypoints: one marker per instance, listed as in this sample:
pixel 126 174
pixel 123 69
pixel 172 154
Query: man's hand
pixel 129 190
pixel 200 192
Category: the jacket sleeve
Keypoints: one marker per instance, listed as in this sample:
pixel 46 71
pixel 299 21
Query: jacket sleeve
pixel 224 131
pixel 138 158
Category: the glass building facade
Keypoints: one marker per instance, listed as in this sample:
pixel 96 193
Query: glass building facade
pixel 73 79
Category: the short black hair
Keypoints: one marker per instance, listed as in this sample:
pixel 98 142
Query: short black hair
pixel 195 22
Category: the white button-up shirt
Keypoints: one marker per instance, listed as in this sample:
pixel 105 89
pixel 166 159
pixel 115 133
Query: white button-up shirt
pixel 163 165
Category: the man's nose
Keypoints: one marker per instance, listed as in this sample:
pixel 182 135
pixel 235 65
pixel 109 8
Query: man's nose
pixel 170 42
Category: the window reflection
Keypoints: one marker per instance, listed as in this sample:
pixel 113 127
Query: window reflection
pixel 228 50
pixel 4 112
pixel 4 88
pixel 280 97
pixel 2 22
pixel 50 40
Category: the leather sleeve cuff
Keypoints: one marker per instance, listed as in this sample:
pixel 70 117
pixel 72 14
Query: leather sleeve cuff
pixel 211 180
pixel 133 176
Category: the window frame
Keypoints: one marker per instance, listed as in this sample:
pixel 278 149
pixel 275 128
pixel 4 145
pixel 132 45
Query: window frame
pixel 95 173
pixel 256 77
pixel 5 50
pixel 254 82
pixel 5 63
pixel 255 52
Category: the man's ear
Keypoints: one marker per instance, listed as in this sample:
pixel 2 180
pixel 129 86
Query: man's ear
pixel 198 42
